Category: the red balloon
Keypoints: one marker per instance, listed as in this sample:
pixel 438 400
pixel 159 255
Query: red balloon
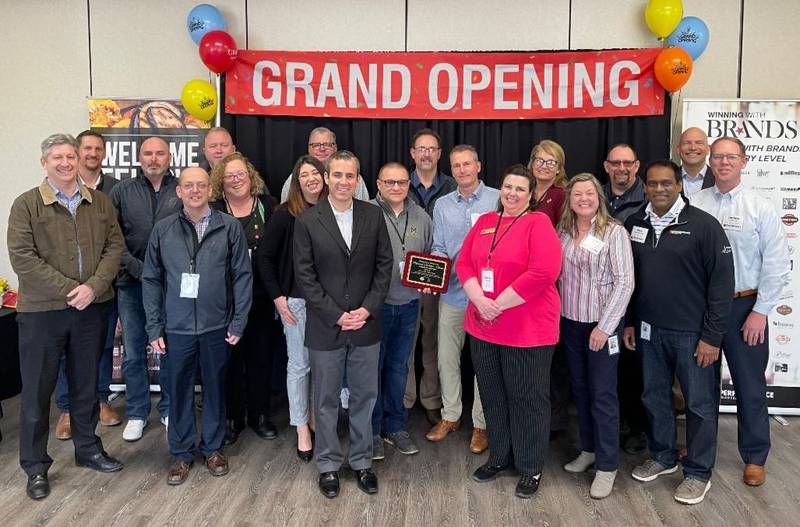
pixel 218 51
pixel 673 67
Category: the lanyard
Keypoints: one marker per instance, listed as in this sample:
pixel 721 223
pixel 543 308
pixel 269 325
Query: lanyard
pixel 495 240
pixel 403 237
pixel 195 246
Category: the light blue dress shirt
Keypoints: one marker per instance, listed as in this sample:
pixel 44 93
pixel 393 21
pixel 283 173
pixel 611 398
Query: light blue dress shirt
pixel 760 253
pixel 453 217
pixel 71 204
pixel 693 185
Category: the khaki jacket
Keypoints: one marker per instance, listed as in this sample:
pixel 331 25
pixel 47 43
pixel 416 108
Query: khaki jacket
pixel 44 253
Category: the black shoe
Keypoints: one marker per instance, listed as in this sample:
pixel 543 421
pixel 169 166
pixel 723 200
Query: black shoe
pixel 527 486
pixel 635 444
pixel 305 455
pixel 38 487
pixel 329 484
pixel 100 462
pixel 264 428
pixel 367 480
pixel 489 472
pixel 231 432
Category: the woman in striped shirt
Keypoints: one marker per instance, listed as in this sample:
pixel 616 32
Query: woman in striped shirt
pixel 596 284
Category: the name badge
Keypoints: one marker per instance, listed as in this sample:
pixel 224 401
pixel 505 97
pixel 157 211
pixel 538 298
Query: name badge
pixel 474 218
pixel 593 244
pixel 487 280
pixel 645 332
pixel 190 285
pixel 613 345
pixel 638 234
pixel 733 223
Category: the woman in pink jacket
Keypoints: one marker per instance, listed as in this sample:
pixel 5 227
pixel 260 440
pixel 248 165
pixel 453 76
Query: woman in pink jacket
pixel 509 265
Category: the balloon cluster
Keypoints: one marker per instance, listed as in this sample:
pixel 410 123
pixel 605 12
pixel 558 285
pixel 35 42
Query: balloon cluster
pixel 686 38
pixel 219 53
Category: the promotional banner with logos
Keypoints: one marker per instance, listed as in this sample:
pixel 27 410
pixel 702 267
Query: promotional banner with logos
pixel 771 135
pixel 126 122
pixel 533 85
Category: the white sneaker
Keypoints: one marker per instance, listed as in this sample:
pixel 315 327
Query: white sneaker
pixel 580 463
pixel 603 484
pixel 133 430
pixel 165 421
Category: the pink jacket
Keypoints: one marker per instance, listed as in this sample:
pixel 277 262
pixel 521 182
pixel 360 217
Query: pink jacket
pixel 527 259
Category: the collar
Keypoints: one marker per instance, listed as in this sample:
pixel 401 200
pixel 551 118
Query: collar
pixel 335 212
pixel 417 183
pixel 97 184
pixel 477 193
pixel 628 191
pixel 674 211
pixel 700 175
pixel 202 218
pixel 407 203
pixel 738 189
pixel 48 192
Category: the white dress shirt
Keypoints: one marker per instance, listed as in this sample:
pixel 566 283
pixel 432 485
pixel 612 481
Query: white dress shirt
pixel 344 220
pixel 693 185
pixel 760 253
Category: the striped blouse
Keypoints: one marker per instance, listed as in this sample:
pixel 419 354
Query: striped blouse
pixel 597 287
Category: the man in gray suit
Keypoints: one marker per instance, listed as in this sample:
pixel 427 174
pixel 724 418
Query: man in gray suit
pixel 343 266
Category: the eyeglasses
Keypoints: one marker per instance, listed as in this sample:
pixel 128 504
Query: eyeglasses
pixel 616 163
pixel 547 163
pixel 402 183
pixel 730 158
pixel 426 149
pixel 237 175
pixel 321 146
pixel 192 186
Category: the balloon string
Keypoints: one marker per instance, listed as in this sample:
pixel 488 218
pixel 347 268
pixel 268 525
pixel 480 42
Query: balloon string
pixel 675 108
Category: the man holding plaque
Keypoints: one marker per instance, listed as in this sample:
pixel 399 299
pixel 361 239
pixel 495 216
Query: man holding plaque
pixel 410 229
pixel 343 266
pixel 453 217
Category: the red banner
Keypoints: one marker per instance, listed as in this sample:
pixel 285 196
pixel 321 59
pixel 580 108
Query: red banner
pixel 546 85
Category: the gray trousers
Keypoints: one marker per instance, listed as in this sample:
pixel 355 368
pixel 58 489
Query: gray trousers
pixel 327 370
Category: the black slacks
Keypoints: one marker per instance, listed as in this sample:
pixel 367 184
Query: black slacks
pixel 514 384
pixel 43 338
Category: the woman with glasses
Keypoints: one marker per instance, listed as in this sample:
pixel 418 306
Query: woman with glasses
pixel 306 188
pixel 596 284
pixel 509 265
pixel 238 190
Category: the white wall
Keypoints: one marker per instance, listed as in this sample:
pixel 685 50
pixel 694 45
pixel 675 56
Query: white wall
pixel 142 49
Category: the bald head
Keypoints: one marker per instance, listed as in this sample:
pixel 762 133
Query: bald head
pixel 155 158
pixel 194 190
pixel 693 149
pixel 192 172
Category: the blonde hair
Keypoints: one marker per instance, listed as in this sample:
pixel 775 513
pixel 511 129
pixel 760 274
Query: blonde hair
pixel 569 223
pixel 555 150
pixel 218 175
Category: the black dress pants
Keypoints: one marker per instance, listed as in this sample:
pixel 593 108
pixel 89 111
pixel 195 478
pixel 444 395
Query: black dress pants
pixel 43 338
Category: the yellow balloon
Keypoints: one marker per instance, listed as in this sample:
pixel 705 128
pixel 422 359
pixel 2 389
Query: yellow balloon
pixel 663 16
pixel 199 98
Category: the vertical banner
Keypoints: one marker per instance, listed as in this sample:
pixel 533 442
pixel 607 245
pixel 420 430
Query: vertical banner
pixel 771 135
pixel 126 122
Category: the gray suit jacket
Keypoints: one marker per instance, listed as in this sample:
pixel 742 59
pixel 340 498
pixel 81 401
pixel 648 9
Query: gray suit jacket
pixel 334 279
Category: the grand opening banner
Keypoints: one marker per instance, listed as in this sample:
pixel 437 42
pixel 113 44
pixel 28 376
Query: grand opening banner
pixel 532 85
pixel 771 136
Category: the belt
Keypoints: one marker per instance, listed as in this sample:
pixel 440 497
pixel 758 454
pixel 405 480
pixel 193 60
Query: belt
pixel 746 292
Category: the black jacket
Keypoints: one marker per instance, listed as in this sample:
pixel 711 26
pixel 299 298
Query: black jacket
pixel 448 186
pixel 628 203
pixel 138 210
pixel 684 281
pixel 275 261
pixel 224 267
pixel 334 279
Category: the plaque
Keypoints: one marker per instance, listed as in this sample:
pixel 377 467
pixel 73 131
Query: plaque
pixel 426 270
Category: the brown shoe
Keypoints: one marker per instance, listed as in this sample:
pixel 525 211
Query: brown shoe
pixel 217 464
pixel 178 472
pixel 434 417
pixel 108 416
pixel 754 475
pixel 63 428
pixel 441 429
pixel 479 442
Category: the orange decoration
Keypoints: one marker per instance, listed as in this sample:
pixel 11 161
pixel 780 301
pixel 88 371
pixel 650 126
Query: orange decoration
pixel 673 67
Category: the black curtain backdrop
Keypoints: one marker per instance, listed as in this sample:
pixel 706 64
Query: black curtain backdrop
pixel 273 144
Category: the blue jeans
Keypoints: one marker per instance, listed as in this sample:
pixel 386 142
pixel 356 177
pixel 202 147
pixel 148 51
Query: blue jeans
pixel 669 353
pixel 105 367
pixel 134 366
pixel 210 352
pixel 399 325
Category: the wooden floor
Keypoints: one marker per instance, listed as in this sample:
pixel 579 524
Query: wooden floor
pixel 268 485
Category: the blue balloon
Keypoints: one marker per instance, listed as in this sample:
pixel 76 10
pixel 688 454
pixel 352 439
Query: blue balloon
pixel 202 19
pixel 691 35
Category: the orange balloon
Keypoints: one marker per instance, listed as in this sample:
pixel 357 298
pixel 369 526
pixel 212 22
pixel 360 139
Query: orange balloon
pixel 673 67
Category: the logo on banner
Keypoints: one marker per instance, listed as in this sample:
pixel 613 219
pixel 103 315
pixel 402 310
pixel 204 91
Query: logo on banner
pixel 782 339
pixel 790 173
pixel 790 189
pixel 780 367
pixel 784 325
pixel 762 173
pixel 783 310
pixel 790 203
pixel 789 219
